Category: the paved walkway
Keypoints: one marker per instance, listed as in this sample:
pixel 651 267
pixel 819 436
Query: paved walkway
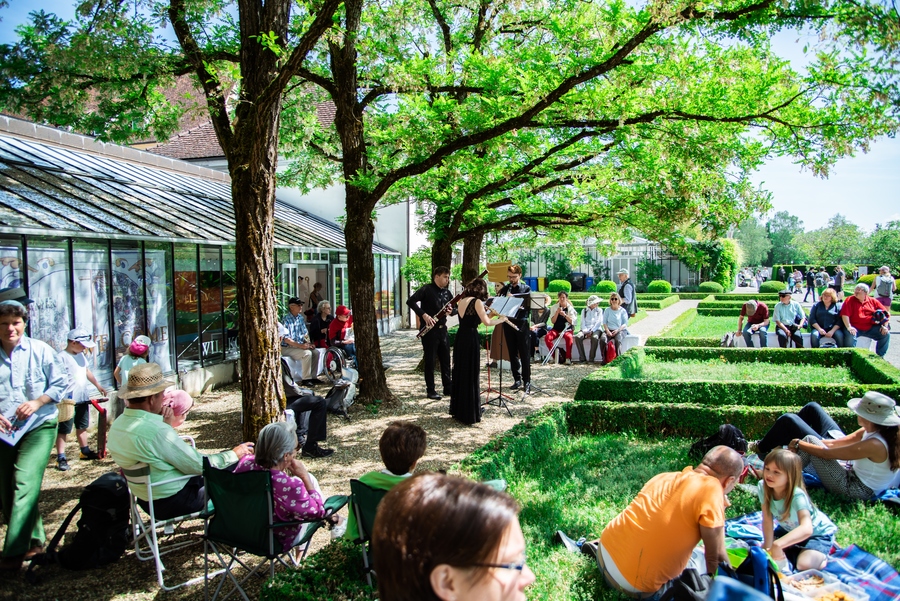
pixel 655 321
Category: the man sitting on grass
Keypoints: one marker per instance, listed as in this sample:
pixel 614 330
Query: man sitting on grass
pixel 402 444
pixel 651 542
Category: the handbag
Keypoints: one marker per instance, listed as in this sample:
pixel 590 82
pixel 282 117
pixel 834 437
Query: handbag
pixel 611 351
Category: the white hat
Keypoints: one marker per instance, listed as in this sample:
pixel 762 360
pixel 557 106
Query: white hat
pixel 593 300
pixel 82 336
pixel 621 271
pixel 877 408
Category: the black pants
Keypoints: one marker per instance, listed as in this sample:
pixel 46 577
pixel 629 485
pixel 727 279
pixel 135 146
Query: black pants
pixel 811 420
pixel 519 349
pixel 317 417
pixel 795 336
pixel 189 499
pixel 436 342
pixel 536 336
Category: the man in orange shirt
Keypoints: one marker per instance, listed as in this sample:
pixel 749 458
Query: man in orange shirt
pixel 651 541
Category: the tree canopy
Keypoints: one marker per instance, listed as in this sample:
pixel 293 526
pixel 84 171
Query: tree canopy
pixel 755 244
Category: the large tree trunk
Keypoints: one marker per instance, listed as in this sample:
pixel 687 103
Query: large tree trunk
pixel 442 253
pixel 471 266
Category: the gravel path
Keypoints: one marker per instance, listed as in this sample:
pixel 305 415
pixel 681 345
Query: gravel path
pixel 215 425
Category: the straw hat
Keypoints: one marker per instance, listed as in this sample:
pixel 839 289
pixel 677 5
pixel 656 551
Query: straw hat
pixel 145 379
pixel 877 408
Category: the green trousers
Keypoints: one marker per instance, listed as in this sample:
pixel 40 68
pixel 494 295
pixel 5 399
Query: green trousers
pixel 21 474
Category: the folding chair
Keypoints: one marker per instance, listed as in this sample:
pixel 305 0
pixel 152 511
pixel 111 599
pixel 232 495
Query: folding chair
pixel 364 501
pixel 244 520
pixel 146 539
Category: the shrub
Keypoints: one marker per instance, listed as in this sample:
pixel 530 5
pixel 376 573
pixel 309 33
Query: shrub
pixel 659 286
pixel 711 288
pixel 720 311
pixel 685 342
pixel 772 286
pixel 605 286
pixel 559 286
pixel 868 279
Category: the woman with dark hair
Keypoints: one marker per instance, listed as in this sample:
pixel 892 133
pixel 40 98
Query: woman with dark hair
pixel 31 384
pixel 439 537
pixel 465 397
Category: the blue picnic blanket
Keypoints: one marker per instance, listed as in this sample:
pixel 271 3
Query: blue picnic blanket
pixel 851 565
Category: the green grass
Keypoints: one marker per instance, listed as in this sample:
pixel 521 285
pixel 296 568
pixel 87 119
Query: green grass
pixel 702 326
pixel 580 483
pixel 717 371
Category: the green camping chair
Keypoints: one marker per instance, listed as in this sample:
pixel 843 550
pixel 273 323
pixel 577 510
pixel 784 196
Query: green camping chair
pixel 364 502
pixel 244 520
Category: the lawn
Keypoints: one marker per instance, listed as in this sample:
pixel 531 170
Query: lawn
pixel 718 371
pixel 702 326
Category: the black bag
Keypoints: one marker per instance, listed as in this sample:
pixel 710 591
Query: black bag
pixel 103 530
pixel 689 586
pixel 340 397
pixel 728 435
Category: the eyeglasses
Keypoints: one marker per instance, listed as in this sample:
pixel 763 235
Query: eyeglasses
pixel 518 566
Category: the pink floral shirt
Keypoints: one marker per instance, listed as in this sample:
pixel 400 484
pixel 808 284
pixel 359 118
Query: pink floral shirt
pixel 291 499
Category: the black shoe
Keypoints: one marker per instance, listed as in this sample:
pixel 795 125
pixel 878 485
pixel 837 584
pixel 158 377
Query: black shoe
pixel 434 396
pixel 527 388
pixel 516 385
pixel 316 452
pixel 590 549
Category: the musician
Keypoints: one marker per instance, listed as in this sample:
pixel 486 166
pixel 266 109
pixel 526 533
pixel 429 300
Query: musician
pixel 563 317
pixel 518 341
pixel 427 302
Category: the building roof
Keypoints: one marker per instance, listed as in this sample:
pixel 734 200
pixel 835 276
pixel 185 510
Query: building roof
pixel 57 183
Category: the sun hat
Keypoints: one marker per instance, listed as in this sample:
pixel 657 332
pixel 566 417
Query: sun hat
pixel 342 310
pixel 621 271
pixel 82 336
pixel 180 401
pixel 784 292
pixel 16 294
pixel 877 408
pixel 593 300
pixel 145 379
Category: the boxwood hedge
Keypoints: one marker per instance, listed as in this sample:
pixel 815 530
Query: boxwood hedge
pixel 726 311
pixel 711 287
pixel 683 342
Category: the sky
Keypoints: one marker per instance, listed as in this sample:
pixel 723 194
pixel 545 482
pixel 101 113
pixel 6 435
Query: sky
pixel 863 188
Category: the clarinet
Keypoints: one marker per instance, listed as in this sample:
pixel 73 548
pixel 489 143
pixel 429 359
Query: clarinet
pixel 446 309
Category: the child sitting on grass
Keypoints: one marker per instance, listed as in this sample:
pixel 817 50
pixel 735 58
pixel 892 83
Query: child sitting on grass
pixel 804 533
pixel 402 444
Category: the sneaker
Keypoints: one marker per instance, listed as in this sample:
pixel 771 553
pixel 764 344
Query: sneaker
pixel 89 455
pixel 316 452
pixel 62 464
pixel 572 546
pixel 338 530
pixel 516 385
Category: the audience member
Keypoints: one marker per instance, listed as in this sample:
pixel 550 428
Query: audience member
pixel 864 316
pixel 539 329
pixel 295 492
pixel 858 465
pixel 402 444
pixel 314 430
pixel 138 352
pixel 78 375
pixel 651 542
pixel 563 317
pixel 140 435
pixel 615 322
pixel 789 318
pixel 825 320
pixel 448 538
pixel 757 315
pixel 176 406
pixel 318 329
pixel 592 329
pixel 296 342
pixel 31 385
pixel 884 286
pixel 340 331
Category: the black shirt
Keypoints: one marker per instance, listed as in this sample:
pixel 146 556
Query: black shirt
pixel 430 299
pixel 522 291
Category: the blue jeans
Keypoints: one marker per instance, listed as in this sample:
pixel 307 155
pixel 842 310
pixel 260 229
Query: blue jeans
pixel 883 341
pixel 763 332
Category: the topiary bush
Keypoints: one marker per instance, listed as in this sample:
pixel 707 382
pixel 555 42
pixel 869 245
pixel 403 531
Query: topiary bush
pixel 772 286
pixel 868 280
pixel 659 286
pixel 559 286
pixel 711 288
pixel 605 286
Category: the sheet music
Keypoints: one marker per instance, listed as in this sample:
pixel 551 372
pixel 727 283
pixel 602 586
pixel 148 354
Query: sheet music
pixel 19 427
pixel 506 305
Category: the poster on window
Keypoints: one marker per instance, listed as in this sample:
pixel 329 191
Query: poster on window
pixel 10 267
pixel 48 287
pixel 92 309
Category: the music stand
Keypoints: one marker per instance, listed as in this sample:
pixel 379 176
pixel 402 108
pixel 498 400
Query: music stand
pixel 507 306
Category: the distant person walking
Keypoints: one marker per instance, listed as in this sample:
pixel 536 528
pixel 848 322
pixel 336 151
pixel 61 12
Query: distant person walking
pixel 839 277
pixel 810 284
pixel 884 286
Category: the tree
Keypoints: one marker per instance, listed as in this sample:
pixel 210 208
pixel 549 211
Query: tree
pixel 838 242
pixel 884 246
pixel 754 241
pixel 782 230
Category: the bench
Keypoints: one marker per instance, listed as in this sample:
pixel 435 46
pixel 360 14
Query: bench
pixel 631 341
pixel 772 339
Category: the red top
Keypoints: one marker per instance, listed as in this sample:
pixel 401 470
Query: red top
pixel 762 314
pixel 338 329
pixel 860 314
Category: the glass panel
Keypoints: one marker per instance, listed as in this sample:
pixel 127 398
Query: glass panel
pixel 187 347
pixel 128 294
pixel 213 336
pixel 395 287
pixel 92 304
pixel 158 279
pixel 229 290
pixel 48 286
pixel 11 262
pixel 377 287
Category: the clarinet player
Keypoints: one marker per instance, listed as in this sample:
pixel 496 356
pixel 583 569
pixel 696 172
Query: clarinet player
pixel 518 341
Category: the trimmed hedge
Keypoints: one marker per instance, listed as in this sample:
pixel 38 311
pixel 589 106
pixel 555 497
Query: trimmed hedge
pixel 868 279
pixel 605 286
pixel 659 286
pixel 772 286
pixel 679 323
pixel 693 295
pixel 559 286
pixel 721 311
pixel 765 298
pixel 712 287
pixel 683 342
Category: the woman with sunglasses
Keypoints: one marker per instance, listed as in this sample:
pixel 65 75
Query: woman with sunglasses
pixel 615 321
pixel 439 537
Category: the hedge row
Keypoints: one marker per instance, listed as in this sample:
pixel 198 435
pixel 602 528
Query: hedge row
pixel 678 324
pixel 690 420
pixel 683 342
pixel 766 298
pixel 693 295
pixel 720 311
pixel 823 357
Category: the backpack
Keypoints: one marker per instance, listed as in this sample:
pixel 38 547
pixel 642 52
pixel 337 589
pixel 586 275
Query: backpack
pixel 689 586
pixel 728 435
pixel 756 571
pixel 103 530
pixel 340 397
pixel 884 288
pixel 819 281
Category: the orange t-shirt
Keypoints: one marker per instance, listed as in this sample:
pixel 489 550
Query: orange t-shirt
pixel 652 539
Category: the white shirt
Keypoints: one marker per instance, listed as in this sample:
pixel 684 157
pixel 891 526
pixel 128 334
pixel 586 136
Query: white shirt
pixel 591 319
pixel 75 367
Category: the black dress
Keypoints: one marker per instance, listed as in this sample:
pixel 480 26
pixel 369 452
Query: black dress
pixel 465 400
